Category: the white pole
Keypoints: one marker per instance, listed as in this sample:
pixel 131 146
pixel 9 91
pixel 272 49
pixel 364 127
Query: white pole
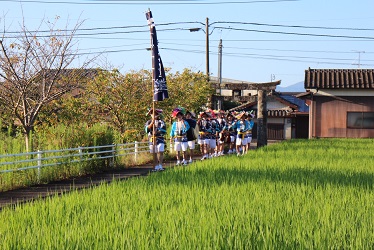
pixel 80 153
pixel 136 151
pixel 114 155
pixel 39 164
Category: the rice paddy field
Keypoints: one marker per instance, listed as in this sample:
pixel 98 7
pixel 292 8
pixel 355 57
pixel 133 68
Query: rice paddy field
pixel 302 194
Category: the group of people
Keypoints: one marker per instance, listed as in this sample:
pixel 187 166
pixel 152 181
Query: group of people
pixel 213 129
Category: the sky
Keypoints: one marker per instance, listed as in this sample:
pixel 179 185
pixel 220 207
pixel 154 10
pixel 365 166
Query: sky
pixel 263 41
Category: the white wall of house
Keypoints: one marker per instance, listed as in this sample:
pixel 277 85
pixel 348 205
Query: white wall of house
pixel 249 92
pixel 274 105
pixel 229 92
pixel 226 92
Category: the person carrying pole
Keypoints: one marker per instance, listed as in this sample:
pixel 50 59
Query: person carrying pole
pixel 156 130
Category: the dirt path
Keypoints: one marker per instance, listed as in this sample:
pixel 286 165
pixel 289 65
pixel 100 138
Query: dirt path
pixel 29 194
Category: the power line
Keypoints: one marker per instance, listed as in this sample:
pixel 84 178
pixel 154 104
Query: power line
pixel 219 27
pixel 163 2
pixel 184 29
pixel 78 35
pixel 296 33
pixel 268 56
pixel 243 55
pixel 283 50
pixel 195 22
pixel 106 28
pixel 293 26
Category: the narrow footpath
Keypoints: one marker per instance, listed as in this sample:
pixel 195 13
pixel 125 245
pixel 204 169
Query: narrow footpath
pixel 42 191
pixel 29 194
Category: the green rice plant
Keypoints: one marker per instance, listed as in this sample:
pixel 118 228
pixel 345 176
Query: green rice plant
pixel 301 194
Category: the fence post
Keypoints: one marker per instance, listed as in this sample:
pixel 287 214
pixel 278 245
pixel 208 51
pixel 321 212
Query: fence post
pixel 39 164
pixel 171 146
pixel 80 154
pixel 113 155
pixel 136 151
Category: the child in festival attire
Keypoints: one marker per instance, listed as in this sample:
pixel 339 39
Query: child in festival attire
pixel 230 121
pixel 179 134
pixel 204 135
pixel 248 135
pixel 191 137
pixel 160 131
pixel 221 124
pixel 241 126
pixel 213 133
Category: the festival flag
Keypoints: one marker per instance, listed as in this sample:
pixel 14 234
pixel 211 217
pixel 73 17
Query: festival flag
pixel 160 90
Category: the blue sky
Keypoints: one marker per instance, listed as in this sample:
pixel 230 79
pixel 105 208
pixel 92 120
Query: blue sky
pixel 255 34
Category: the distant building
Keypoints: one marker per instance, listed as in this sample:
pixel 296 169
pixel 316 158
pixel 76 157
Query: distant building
pixel 341 102
pixel 287 116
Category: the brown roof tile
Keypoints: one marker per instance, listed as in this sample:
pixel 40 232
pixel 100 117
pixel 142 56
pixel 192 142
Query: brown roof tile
pixel 339 79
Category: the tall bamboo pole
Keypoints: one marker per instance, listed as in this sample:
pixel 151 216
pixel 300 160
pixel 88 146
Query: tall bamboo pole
pixel 153 101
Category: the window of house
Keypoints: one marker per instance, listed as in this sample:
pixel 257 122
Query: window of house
pixel 237 92
pixel 363 120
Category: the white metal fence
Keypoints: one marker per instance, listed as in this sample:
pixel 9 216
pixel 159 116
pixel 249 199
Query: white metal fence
pixel 52 158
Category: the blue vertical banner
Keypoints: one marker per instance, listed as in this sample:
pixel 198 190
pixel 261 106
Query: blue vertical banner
pixel 160 90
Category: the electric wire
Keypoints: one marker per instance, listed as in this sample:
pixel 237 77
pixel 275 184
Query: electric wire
pixel 296 33
pixel 294 26
pixel 163 2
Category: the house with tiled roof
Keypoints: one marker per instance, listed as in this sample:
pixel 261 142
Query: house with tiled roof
pixel 341 102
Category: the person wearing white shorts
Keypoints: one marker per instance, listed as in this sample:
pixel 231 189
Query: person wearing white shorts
pixel 204 140
pixel 178 133
pixel 221 125
pixel 241 140
pixel 230 121
pixel 192 133
pixel 213 133
pixel 249 131
pixel 212 144
pixel 180 145
pixel 159 148
pixel 241 126
pixel 160 130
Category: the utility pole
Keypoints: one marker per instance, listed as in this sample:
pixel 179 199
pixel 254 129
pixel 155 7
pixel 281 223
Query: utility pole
pixel 272 77
pixel 219 91
pixel 359 58
pixel 207 47
pixel 209 101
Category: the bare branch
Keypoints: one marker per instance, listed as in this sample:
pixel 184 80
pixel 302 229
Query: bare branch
pixel 35 71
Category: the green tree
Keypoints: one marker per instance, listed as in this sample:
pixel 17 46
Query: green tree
pixel 122 100
pixel 188 89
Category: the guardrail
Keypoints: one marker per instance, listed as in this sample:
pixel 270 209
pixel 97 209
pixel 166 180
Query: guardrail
pixel 52 158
